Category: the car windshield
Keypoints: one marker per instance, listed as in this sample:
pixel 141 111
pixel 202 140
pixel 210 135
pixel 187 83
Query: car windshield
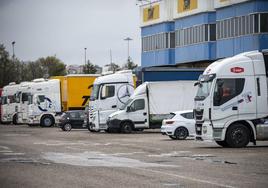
pixel 204 86
pixel 95 92
pixel 125 105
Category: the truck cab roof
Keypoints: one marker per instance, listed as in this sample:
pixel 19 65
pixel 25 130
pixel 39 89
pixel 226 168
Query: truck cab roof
pixel 248 63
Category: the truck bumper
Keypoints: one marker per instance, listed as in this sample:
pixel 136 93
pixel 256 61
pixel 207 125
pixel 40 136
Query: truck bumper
pixel 114 124
pixel 206 132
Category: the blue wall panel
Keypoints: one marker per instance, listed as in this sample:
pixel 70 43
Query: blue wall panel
pixel 158 57
pixel 233 46
pixel 242 9
pixel 157 28
pixel 171 75
pixel 197 52
pixel 202 18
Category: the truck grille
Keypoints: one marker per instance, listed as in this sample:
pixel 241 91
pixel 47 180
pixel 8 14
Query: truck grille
pixel 198 114
pixel 198 128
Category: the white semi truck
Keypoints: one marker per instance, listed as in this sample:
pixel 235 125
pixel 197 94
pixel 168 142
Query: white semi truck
pixel 9 105
pixel 109 93
pixel 151 103
pixel 44 102
pixel 231 105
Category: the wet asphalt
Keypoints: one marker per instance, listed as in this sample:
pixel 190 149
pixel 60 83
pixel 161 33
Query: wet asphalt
pixel 50 157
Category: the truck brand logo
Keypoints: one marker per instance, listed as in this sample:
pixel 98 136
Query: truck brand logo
pixel 48 104
pixel 237 69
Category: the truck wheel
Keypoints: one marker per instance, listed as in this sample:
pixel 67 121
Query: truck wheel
pixel 237 136
pixel 15 120
pixel 180 133
pixel 126 127
pixel 222 143
pixel 67 127
pixel 92 130
pixel 47 121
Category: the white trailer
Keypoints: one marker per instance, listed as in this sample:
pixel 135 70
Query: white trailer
pixel 109 93
pixel 231 105
pixel 9 105
pixel 44 102
pixel 151 103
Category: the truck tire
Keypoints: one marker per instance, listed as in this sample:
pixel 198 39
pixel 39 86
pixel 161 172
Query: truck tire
pixel 15 120
pixel 180 133
pixel 47 121
pixel 222 143
pixel 92 130
pixel 237 136
pixel 126 127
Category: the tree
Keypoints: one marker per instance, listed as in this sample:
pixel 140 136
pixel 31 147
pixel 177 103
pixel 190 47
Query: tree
pixel 8 67
pixel 89 68
pixel 52 66
pixel 113 67
pixel 130 64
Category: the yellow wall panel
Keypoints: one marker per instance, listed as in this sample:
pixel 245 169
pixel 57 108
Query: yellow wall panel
pixel 186 5
pixel 151 13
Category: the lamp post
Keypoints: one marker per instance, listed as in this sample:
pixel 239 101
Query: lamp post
pixel 13 49
pixel 128 39
pixel 85 60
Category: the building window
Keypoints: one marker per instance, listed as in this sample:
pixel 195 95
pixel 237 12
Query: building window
pixel 172 40
pixel 264 22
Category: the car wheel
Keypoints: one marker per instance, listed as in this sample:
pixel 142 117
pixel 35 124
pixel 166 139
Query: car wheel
pixel 47 121
pixel 181 133
pixel 67 127
pixel 237 136
pixel 222 143
pixel 126 127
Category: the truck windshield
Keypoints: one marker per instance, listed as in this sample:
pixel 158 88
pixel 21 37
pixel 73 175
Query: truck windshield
pixel 95 92
pixel 204 86
pixel 125 105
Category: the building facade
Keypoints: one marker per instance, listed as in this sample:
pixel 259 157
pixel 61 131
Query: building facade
pixel 194 33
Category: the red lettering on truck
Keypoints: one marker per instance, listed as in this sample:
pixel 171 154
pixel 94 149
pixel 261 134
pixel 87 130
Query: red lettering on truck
pixel 237 69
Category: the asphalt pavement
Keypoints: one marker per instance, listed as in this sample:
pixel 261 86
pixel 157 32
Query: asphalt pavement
pixel 50 157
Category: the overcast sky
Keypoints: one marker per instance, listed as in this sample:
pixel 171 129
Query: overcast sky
pixel 65 27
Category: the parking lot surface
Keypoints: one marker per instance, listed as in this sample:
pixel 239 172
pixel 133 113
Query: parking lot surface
pixel 50 157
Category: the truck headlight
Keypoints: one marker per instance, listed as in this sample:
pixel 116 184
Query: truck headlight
pixel 205 130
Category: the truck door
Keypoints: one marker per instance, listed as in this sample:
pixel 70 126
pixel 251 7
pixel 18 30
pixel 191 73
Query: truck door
pixel 225 101
pixel 108 101
pixel 138 113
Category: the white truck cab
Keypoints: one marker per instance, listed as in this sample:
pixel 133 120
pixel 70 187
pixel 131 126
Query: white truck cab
pixel 109 93
pixel 231 104
pixel 9 105
pixel 44 102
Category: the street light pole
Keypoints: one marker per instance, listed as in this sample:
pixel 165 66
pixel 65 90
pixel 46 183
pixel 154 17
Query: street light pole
pixel 85 56
pixel 13 49
pixel 128 39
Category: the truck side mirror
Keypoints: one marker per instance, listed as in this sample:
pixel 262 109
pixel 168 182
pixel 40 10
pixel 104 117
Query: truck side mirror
pixel 128 109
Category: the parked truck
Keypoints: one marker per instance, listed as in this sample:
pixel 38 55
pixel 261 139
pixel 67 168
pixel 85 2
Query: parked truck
pixel 231 105
pixel 151 103
pixel 76 90
pixel 9 105
pixel 44 102
pixel 110 92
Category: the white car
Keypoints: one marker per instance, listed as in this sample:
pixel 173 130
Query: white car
pixel 179 125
